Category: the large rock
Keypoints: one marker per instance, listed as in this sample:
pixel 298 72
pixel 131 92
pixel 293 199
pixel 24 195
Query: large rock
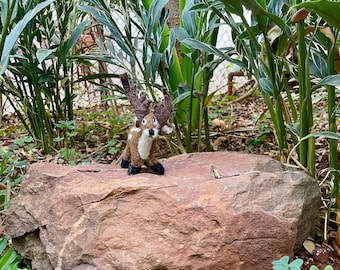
pixel 222 210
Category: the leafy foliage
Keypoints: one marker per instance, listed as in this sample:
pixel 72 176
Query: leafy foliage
pixel 38 80
pixel 283 264
pixel 186 72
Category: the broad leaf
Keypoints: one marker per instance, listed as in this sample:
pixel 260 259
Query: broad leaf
pixel 282 261
pixel 266 86
pixel 188 19
pixel 103 18
pixel 332 80
pixel 42 54
pixel 318 65
pixel 296 264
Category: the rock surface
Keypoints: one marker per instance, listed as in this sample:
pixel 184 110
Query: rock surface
pixel 222 210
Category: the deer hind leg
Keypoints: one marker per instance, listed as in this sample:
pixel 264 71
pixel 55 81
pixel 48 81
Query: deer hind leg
pixel 155 166
pixel 157 169
pixel 126 157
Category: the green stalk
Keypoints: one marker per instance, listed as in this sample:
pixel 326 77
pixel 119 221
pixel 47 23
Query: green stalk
pixel 333 144
pixel 290 102
pixel 5 27
pixel 8 194
pixel 38 112
pixel 200 123
pixel 191 109
pixel 277 112
pixel 302 55
pixel 310 121
pixel 206 130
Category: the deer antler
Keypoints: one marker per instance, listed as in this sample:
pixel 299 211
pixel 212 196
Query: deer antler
pixel 141 105
pixel 163 111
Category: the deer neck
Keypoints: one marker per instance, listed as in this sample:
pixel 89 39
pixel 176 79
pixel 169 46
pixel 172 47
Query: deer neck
pixel 144 146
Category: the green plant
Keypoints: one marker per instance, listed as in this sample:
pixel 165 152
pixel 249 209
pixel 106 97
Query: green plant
pixel 328 267
pixel 12 170
pixel 66 139
pixel 192 96
pixel 12 28
pixel 264 131
pixel 281 44
pixel 268 48
pixel 37 69
pixel 112 147
pixel 186 72
pixel 283 264
pixel 9 259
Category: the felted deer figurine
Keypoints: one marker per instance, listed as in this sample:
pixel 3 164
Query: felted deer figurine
pixel 141 142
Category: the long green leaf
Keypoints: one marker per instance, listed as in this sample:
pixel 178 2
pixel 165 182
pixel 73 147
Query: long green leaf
pixel 3 242
pixel 233 6
pixel 8 258
pixel 331 80
pixel 188 19
pixel 327 134
pixel 11 39
pixel 192 43
pixel 258 11
pixel 72 40
pixel 103 18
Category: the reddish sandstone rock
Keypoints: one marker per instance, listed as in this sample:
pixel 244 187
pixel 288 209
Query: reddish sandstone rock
pixel 98 217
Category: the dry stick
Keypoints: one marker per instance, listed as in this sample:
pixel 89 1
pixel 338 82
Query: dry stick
pixel 253 88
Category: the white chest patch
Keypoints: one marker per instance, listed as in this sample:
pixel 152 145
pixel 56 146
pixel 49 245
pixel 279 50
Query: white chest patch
pixel 144 146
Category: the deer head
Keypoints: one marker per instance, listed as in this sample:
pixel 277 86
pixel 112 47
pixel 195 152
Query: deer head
pixel 141 105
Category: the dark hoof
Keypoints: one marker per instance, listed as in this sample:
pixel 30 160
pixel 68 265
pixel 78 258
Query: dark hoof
pixel 125 164
pixel 134 170
pixel 157 169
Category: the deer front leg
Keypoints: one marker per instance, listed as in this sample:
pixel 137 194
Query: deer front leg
pixel 153 162
pixel 136 163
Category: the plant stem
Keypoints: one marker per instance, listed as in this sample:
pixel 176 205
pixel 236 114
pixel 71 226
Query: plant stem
pixel 333 144
pixel 302 54
pixel 5 27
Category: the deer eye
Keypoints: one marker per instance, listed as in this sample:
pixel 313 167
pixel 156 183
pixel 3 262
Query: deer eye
pixel 154 121
pixel 143 122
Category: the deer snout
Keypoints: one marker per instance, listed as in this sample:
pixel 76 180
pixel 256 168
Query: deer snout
pixel 152 133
